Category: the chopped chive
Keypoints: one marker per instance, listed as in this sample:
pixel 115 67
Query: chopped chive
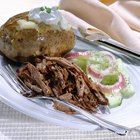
pixel 45 9
pixel 48 10
pixel 41 8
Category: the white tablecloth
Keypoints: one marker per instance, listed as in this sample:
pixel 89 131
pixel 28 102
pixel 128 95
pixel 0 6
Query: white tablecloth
pixel 17 126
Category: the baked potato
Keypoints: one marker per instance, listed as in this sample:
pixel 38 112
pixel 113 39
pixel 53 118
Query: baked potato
pixel 22 38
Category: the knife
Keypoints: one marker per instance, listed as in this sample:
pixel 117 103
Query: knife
pixel 107 42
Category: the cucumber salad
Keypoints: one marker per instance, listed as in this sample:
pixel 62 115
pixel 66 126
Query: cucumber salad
pixel 107 71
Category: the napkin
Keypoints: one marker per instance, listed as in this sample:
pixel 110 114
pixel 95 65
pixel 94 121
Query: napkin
pixel 118 20
pixel 83 26
pixel 129 11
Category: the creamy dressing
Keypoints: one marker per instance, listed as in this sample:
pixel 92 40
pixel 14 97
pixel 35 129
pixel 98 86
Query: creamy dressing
pixel 52 17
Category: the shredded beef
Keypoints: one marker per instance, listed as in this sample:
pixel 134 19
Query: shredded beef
pixel 58 77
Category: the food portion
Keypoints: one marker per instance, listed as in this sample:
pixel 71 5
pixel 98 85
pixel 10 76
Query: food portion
pixel 58 77
pixel 41 31
pixel 41 37
pixel 107 72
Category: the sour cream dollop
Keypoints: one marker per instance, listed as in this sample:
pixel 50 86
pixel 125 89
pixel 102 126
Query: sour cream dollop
pixel 50 16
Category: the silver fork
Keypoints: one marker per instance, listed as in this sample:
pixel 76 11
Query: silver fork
pixel 15 83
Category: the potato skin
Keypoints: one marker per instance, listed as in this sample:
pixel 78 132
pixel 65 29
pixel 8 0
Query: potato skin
pixel 21 45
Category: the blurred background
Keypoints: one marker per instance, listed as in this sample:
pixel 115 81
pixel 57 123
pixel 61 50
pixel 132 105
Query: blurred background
pixel 9 8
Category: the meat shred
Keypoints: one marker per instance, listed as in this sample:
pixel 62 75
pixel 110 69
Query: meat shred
pixel 58 77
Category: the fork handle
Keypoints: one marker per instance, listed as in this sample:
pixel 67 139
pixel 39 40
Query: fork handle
pixel 118 129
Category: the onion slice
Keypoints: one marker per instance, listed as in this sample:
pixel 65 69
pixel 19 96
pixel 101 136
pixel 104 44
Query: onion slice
pixel 100 74
pixel 110 55
pixel 72 55
pixel 111 88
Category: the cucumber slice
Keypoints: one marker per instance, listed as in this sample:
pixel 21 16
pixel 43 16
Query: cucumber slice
pixel 115 99
pixel 127 91
pixel 110 79
pixel 81 63
pixel 121 68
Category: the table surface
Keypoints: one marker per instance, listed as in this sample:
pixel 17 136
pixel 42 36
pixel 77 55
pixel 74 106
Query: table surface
pixel 17 126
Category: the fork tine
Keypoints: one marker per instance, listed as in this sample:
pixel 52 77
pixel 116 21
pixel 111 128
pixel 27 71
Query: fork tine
pixel 22 84
pixel 11 78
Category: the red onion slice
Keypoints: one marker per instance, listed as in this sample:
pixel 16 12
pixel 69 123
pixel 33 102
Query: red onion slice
pixel 98 75
pixel 72 55
pixel 111 88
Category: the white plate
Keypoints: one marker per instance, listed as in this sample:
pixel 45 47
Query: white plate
pixel 128 114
